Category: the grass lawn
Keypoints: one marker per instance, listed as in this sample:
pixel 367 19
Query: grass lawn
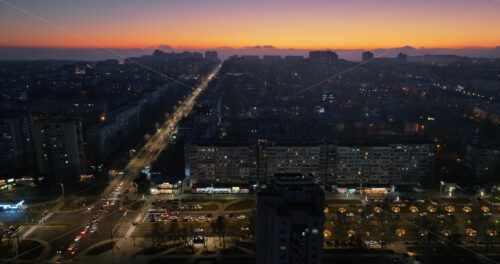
pixel 242 205
pixel 181 250
pixel 64 224
pixel 5 250
pixel 448 259
pixel 233 251
pixel 209 207
pixel 181 224
pixel 457 200
pixel 224 201
pixel 239 260
pixel 133 205
pixel 343 201
pixel 168 260
pixel 349 259
pixel 30 249
pixel 77 203
pixel 101 249
pixel 42 206
pixel 153 250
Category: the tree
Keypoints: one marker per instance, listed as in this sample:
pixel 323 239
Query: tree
pixel 143 184
pixel 219 228
pixel 253 224
pixel 158 235
pixel 187 234
pixel 173 232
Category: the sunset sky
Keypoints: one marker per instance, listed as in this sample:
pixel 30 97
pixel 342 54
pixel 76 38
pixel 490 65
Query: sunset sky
pixel 314 24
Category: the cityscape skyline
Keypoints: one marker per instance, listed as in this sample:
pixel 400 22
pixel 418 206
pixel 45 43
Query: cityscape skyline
pixel 232 131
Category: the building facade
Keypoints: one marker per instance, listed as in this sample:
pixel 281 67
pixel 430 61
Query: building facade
pixel 384 164
pixel 58 145
pixel 15 141
pixel 290 222
pixel 483 161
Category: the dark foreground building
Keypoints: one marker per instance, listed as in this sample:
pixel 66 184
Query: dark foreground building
pixel 290 219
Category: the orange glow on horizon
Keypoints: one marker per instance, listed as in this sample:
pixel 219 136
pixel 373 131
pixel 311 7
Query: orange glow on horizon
pixel 284 24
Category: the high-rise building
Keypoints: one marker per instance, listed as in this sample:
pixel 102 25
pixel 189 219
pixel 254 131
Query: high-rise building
pixel 211 55
pixel 483 160
pixel 323 57
pixel 349 164
pixel 272 59
pixel 399 164
pixel 366 56
pixel 58 144
pixel 289 159
pixel 218 164
pixel 15 141
pixel 290 221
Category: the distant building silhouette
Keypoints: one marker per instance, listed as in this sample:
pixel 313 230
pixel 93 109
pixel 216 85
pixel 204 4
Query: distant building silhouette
pixel 290 221
pixel 323 57
pixel 402 57
pixel 366 56
pixel 211 55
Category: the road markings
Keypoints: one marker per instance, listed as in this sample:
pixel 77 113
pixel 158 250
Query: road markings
pixel 131 229
pixel 27 233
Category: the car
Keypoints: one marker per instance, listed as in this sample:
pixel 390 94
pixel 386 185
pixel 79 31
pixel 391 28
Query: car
pixel 245 228
pixel 93 229
pixel 87 226
pixel 126 191
pixel 176 213
pixel 77 238
pixel 120 209
pixel 201 218
pixel 396 260
pixel 241 217
pixel 188 218
pixel 59 260
pixel 199 240
pixel 83 232
pixel 198 230
pixel 71 247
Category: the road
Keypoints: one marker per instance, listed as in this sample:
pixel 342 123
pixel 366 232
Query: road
pixel 108 222
pixel 163 136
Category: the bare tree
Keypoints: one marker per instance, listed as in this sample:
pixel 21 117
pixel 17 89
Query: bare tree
pixel 219 228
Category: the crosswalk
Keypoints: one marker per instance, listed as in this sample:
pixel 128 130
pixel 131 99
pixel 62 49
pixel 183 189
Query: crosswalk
pixel 131 229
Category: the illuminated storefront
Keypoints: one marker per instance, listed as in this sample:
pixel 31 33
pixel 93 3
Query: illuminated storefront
pixel 233 190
